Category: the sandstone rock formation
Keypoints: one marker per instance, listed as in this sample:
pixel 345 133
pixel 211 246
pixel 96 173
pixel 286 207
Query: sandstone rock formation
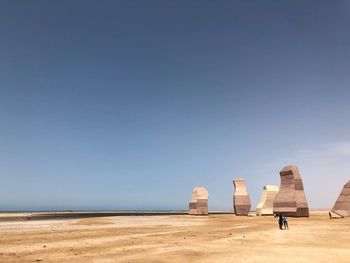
pixel 291 199
pixel 199 201
pixel 342 205
pixel 241 200
pixel 268 195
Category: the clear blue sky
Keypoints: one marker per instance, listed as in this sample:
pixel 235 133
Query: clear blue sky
pixel 131 104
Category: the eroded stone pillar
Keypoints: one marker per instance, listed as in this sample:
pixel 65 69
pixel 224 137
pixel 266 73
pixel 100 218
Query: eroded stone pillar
pixel 291 199
pixel 199 201
pixel 342 205
pixel 268 196
pixel 241 200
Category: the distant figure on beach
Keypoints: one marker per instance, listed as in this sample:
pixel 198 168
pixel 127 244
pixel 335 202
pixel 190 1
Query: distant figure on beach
pixel 285 223
pixel 330 215
pixel 280 220
pixel 29 216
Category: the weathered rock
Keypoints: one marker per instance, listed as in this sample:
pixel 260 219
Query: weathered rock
pixel 199 202
pixel 291 200
pixel 342 205
pixel 268 195
pixel 241 200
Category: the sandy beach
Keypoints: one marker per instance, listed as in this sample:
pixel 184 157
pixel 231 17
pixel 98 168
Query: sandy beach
pixel 176 238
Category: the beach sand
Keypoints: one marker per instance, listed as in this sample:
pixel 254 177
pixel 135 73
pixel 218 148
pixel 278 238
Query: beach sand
pixel 176 238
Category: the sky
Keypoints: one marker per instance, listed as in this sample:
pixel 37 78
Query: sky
pixel 132 104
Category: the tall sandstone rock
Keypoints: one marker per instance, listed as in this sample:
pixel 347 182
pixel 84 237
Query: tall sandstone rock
pixel 241 200
pixel 291 200
pixel 199 201
pixel 342 205
pixel 268 196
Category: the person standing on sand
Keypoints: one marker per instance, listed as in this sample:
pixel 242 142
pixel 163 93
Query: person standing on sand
pixel 29 216
pixel 280 220
pixel 285 223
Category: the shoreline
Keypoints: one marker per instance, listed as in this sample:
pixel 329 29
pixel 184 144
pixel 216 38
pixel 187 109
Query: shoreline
pixel 30 216
pixel 56 215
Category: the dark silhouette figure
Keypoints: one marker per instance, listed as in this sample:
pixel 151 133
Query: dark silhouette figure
pixel 330 215
pixel 29 216
pixel 280 220
pixel 285 223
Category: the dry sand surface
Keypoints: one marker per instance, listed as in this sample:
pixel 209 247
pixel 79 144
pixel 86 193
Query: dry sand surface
pixel 176 238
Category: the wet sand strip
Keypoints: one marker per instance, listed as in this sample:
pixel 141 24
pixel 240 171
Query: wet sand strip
pixel 78 215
